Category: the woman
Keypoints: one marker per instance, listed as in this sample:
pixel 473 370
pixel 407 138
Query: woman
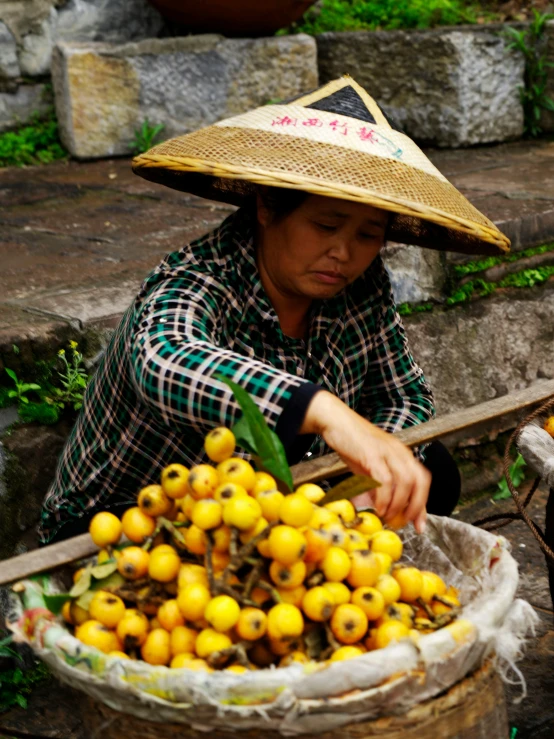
pixel 289 298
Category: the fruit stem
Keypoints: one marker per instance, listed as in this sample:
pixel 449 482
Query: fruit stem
pixel 175 533
pixel 209 564
pixel 247 549
pixel 270 589
pixel 253 577
pixel 237 651
pixel 315 579
pixel 333 643
pixel 427 608
pixel 234 542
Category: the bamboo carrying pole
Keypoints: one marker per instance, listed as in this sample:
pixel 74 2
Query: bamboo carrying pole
pixel 474 418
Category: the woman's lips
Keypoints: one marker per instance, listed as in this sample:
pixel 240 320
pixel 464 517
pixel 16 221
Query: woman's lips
pixel 330 278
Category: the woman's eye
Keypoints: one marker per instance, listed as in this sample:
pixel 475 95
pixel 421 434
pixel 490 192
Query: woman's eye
pixel 326 227
pixel 371 237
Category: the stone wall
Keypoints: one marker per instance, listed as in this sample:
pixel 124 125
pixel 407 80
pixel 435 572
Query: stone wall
pixel 104 92
pixel 447 86
pixel 451 87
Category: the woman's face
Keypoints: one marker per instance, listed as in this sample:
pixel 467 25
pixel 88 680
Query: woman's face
pixel 322 246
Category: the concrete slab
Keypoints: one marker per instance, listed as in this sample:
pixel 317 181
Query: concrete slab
pixel 513 184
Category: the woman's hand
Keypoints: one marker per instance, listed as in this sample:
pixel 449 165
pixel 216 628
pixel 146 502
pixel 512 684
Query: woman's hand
pixel 368 450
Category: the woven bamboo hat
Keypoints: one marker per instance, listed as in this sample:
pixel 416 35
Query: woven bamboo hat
pixel 336 142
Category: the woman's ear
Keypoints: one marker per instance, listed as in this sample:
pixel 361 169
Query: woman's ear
pixel 262 211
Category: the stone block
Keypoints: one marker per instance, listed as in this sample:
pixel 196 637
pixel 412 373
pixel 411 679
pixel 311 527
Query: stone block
pixel 449 87
pixel 18 107
pixel 9 66
pixel 486 348
pixel 415 274
pixel 104 92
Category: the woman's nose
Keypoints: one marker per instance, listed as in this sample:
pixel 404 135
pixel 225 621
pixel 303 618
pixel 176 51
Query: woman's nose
pixel 340 249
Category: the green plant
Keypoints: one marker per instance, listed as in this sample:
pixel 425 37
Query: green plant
pixel 145 135
pixel 369 15
pixel 21 388
pixel 533 94
pixel 37 142
pixel 16 684
pixel 45 413
pixel 73 378
pixel 517 473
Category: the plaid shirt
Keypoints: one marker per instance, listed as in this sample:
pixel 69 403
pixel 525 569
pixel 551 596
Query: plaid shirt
pixel 203 312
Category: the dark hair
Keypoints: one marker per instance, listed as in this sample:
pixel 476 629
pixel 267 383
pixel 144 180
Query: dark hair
pixel 280 201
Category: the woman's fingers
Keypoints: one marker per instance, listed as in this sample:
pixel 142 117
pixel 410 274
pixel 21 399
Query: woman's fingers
pixel 365 500
pixel 418 499
pixel 383 494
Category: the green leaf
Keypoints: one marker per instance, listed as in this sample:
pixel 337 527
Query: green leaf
pixel 349 488
pixel 115 580
pixel 243 435
pixel 11 373
pixel 104 570
pixel 82 584
pixel 263 440
pixel 20 700
pixel 55 602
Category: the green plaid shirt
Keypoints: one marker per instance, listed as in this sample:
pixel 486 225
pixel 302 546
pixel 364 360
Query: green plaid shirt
pixel 201 313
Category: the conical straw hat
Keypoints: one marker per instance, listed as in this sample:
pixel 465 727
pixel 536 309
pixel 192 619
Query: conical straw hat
pixel 334 142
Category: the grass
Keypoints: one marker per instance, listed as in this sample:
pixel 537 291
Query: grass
pixel 479 287
pixel 371 15
pixel 37 142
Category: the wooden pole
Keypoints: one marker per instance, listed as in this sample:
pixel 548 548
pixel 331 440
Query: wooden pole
pixel 473 418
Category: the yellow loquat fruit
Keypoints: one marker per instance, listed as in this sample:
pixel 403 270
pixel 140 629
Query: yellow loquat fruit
pixel 243 513
pixel 153 501
pixel 287 576
pixel 202 481
pixel 251 624
pixel 107 608
pixel 209 641
pixel 287 544
pixel 105 529
pixel 296 510
pixel 239 471
pixel 318 604
pixel 336 564
pixel 156 649
pixel 207 514
pixel 370 600
pixel 311 491
pixel 163 566
pixel 344 509
pixel 348 623
pixel 137 526
pixel 388 542
pixel 220 444
pixel 133 563
pixel 174 481
pixel 192 600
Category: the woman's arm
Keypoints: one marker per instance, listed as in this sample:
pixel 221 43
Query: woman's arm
pixel 176 358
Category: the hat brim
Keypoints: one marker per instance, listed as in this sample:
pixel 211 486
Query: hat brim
pixel 226 161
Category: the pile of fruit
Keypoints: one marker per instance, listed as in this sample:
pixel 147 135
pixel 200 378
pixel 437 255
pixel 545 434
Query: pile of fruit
pixel 221 570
